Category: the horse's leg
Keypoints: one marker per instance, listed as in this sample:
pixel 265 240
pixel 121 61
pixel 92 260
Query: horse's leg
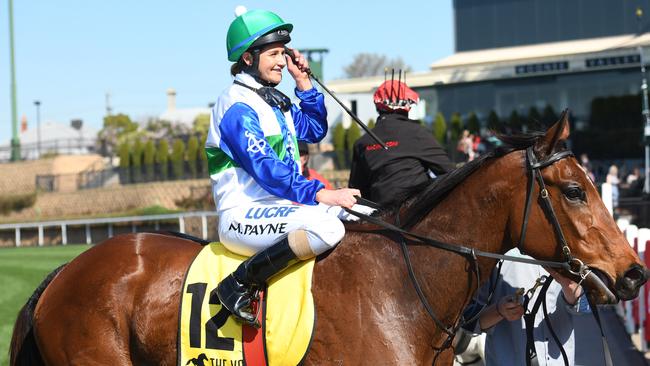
pixel 116 304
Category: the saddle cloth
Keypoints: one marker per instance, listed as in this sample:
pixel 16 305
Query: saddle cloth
pixel 209 335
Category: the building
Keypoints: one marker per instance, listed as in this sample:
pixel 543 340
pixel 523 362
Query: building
pixel 512 55
pixel 52 138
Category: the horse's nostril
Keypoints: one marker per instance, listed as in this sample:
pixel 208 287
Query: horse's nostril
pixel 636 274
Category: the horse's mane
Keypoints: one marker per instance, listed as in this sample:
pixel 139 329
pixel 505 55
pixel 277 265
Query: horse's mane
pixel 421 204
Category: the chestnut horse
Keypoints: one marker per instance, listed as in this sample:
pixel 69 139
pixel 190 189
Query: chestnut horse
pixel 117 303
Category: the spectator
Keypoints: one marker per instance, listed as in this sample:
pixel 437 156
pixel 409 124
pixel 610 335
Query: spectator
pixel 633 177
pixel 504 324
pixel 612 178
pixel 307 172
pixel 586 166
pixel 466 146
pixel 389 177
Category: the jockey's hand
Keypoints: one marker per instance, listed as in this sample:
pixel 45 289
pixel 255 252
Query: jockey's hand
pixel 298 70
pixel 510 308
pixel 340 197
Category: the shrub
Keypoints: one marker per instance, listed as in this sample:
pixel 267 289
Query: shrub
pixel 339 145
pixel 440 128
pixel 16 202
pixel 192 155
pixel 178 158
pixel 352 135
pixel 162 158
pixel 149 159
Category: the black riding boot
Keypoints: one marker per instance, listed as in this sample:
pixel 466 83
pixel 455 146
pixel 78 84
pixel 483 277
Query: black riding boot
pixel 238 291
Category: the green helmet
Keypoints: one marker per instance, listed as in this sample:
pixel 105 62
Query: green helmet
pixel 255 26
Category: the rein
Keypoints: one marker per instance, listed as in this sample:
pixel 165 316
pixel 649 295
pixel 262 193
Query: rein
pixel 533 171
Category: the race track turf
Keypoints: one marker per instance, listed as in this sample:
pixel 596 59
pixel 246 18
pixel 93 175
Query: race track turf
pixel 21 271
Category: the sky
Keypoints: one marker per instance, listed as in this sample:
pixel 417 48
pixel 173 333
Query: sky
pixel 70 53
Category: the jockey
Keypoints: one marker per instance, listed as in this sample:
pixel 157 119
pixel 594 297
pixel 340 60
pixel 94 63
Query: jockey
pixel 267 209
pixel 388 177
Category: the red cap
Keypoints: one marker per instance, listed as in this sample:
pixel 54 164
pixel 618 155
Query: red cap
pixel 393 95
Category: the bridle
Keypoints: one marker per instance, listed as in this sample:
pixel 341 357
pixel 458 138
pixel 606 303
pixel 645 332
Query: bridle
pixel 533 171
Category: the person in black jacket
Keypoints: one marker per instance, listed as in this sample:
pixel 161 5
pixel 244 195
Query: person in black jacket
pixel 413 158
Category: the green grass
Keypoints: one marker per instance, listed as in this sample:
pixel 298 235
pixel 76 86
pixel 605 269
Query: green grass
pixel 21 271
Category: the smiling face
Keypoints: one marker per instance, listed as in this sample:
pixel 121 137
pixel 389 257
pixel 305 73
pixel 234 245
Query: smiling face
pixel 271 63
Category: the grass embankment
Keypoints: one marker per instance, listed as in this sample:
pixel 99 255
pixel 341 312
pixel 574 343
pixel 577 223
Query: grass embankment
pixel 21 271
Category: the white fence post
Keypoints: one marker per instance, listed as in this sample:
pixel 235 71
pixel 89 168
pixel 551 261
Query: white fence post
pixel 88 238
pixel 644 236
pixel 17 236
pixel 64 234
pixel 181 225
pixel 607 197
pixel 40 235
pixel 204 226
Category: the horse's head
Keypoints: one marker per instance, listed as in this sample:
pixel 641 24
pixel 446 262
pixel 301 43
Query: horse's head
pixel 590 233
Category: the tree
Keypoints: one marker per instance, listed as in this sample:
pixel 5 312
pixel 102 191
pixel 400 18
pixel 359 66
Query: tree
pixel 549 116
pixel 473 124
pixel 534 117
pixel 178 158
pixel 158 127
pixel 440 128
pixel 456 127
pixel 493 122
pixel 137 150
pixel 120 124
pixel 371 123
pixel 201 123
pixel 162 158
pixel 149 160
pixel 202 154
pixel 514 121
pixel 116 127
pixel 372 64
pixel 192 154
pixel 125 162
pixel 339 144
pixel 352 135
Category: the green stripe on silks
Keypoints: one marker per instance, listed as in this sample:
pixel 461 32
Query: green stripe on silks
pixel 218 161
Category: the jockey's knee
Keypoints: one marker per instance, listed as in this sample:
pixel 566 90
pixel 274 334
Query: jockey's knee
pixel 325 234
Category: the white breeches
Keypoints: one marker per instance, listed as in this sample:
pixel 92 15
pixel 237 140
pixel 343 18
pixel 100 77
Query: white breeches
pixel 249 228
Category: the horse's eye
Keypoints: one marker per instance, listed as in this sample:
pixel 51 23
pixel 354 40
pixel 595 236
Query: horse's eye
pixel 575 194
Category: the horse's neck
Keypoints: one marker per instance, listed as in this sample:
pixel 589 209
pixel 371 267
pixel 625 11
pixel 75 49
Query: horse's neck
pixel 477 212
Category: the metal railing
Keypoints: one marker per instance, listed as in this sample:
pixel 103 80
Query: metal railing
pixel 31 151
pixel 63 225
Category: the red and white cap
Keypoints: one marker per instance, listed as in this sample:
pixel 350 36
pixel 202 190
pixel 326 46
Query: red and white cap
pixel 395 95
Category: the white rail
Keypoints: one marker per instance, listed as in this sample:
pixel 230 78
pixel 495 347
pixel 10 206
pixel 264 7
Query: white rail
pixel 64 224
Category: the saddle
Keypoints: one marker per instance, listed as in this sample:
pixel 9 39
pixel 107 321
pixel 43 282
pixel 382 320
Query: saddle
pixel 209 335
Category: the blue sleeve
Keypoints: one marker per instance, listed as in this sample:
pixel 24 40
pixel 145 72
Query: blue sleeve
pixel 242 138
pixel 310 120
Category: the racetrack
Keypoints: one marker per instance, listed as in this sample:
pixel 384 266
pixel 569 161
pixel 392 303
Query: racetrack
pixel 21 271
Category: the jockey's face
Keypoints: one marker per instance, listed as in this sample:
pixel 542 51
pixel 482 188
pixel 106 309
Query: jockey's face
pixel 271 63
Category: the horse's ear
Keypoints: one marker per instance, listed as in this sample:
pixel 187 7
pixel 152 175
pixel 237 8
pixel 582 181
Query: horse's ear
pixel 557 133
